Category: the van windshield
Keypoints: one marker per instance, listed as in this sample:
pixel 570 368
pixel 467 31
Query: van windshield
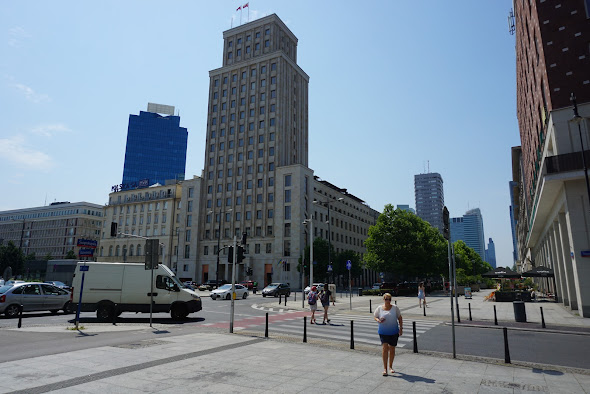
pixel 175 280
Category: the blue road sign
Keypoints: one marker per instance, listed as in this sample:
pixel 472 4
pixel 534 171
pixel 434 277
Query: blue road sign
pixel 348 264
pixel 329 267
pixel 315 262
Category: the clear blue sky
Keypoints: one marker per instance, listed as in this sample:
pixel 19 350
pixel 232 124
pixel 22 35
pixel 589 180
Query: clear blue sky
pixel 393 85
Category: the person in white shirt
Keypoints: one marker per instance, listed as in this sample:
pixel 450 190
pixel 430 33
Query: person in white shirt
pixel 391 326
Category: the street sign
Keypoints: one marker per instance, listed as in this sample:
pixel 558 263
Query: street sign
pixel 381 275
pixel 348 265
pixel 84 267
pixel 329 267
pixel 152 250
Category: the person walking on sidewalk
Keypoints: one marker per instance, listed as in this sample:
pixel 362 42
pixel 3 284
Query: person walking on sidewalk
pixel 325 299
pixel 312 300
pixel 391 325
pixel 421 295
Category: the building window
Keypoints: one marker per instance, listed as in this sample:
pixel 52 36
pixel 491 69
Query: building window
pixel 287 229
pixel 267 43
pixel 288 195
pixel 270 214
pixel 257 248
pixel 187 251
pixel 287 248
pixel 287 180
pixel 229 55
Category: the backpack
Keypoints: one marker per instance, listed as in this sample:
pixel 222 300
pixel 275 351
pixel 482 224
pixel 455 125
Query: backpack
pixel 312 298
pixel 324 297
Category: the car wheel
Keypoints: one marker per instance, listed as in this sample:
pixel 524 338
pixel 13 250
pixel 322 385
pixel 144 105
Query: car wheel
pixel 178 312
pixel 245 296
pixel 67 307
pixel 12 311
pixel 213 296
pixel 54 311
pixel 264 295
pixel 105 312
pixel 228 297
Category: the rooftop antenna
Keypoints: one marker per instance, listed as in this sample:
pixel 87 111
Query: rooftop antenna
pixel 45 204
pixel 428 166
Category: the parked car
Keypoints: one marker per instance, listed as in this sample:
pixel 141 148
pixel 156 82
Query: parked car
pixel 249 284
pixel 33 297
pixel 212 284
pixel 59 284
pixel 388 287
pixel 376 286
pixel 224 292
pixel 320 287
pixel 276 289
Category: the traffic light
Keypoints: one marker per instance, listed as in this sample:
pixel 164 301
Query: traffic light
pixel 113 229
pixel 249 271
pixel 446 228
pixel 230 256
pixel 240 254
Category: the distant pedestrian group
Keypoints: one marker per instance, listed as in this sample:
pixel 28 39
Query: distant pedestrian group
pixel 312 301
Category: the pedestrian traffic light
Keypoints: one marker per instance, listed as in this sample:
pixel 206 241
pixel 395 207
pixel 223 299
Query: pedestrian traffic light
pixel 113 229
pixel 230 256
pixel 240 254
pixel 446 228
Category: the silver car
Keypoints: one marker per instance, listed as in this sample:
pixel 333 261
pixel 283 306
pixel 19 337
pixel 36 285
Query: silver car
pixel 33 297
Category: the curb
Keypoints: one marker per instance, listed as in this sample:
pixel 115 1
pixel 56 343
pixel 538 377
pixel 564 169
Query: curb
pixel 500 326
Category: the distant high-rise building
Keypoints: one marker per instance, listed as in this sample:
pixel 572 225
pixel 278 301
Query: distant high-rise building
pixel 156 147
pixel 473 231
pixel 469 229
pixel 552 62
pixel 406 208
pixel 430 199
pixel 491 253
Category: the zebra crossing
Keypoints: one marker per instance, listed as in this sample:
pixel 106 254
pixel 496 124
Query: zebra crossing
pixel 365 329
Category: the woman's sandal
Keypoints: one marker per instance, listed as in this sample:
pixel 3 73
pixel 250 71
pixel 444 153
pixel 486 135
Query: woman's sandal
pixel 384 373
pixel 391 371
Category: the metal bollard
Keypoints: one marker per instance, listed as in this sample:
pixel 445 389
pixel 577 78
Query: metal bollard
pixel 286 296
pixel 458 317
pixel 352 334
pixel 304 329
pixel 542 318
pixel 280 298
pixel 506 350
pixel 295 299
pixel 495 316
pixel 395 302
pixel 470 319
pixel 20 315
pixel 415 342
pixel 424 309
pixel 370 307
pixel 115 315
pixel 266 327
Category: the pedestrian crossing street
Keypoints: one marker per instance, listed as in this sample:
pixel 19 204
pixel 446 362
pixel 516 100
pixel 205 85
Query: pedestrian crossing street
pixel 365 328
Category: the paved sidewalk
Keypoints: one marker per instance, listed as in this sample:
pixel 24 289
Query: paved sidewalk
pixel 556 316
pixel 207 362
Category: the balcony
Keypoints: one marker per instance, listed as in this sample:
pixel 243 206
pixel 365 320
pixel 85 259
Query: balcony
pixel 566 162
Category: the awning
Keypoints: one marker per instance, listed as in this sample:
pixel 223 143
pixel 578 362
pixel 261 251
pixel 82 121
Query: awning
pixel 501 272
pixel 540 272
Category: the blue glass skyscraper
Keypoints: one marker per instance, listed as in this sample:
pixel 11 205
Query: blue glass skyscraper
pixel 156 147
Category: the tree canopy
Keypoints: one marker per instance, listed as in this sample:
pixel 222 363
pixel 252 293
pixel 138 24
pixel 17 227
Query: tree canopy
pixel 320 256
pixel 405 245
pixel 11 256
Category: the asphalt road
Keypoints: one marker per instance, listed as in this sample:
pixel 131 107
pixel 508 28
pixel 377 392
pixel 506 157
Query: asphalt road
pixel 569 350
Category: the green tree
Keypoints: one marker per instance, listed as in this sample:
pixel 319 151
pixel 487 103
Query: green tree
pixel 11 256
pixel 320 256
pixel 48 256
pixel 469 264
pixel 340 264
pixel 31 257
pixel 404 244
pixel 71 255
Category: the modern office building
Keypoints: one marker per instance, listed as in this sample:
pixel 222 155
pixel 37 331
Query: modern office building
pixel 54 229
pixel 491 253
pixel 406 208
pixel 513 209
pixel 469 229
pixel 156 148
pixel 553 222
pixel 430 198
pixel 256 177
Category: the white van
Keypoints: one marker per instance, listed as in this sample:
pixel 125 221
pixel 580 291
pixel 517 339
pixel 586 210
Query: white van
pixel 113 288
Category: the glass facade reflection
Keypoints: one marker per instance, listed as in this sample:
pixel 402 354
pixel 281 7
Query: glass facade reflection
pixel 156 148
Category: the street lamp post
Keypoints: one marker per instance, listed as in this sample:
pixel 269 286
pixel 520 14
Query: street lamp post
pixel 578 119
pixel 327 205
pixel 218 242
pixel 310 222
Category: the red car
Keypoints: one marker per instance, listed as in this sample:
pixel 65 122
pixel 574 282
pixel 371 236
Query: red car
pixel 248 284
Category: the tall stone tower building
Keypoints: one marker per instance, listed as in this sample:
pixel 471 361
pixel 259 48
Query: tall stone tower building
pixel 255 177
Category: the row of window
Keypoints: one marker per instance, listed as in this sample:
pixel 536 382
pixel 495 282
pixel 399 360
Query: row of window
pixel 243 89
pixel 238 233
pixel 241 141
pixel 249 37
pixel 242 114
